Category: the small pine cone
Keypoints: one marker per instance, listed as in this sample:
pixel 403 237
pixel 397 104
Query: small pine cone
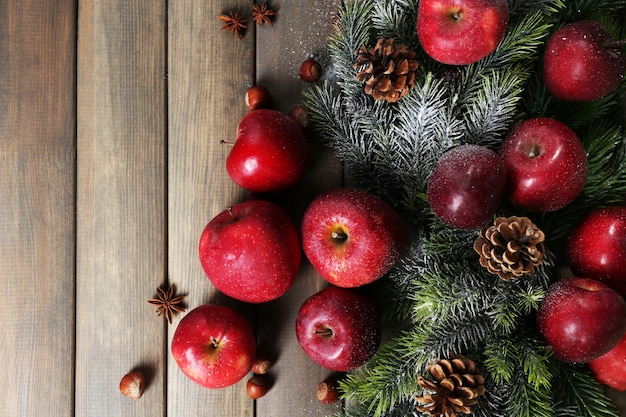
pixel 457 386
pixel 511 247
pixel 388 70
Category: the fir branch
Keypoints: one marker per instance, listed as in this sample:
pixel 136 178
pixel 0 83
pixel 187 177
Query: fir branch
pixel 352 29
pixel 396 19
pixel 424 129
pixel 578 389
pixel 390 377
pixel 526 401
pixel 490 112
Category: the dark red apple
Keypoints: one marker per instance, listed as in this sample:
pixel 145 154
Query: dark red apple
pixel 271 152
pixel 338 328
pixel 466 186
pixel 581 319
pixel 546 165
pixel 251 251
pixel 351 237
pixel 214 346
pixel 610 368
pixel 583 62
pixel 460 32
pixel 596 247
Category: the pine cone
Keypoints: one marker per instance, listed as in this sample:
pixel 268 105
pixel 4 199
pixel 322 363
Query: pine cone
pixel 456 389
pixel 511 247
pixel 388 70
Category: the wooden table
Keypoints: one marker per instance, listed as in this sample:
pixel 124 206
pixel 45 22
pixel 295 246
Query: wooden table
pixel 111 116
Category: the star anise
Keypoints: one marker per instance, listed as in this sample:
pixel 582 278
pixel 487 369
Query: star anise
pixel 234 23
pixel 262 14
pixel 167 303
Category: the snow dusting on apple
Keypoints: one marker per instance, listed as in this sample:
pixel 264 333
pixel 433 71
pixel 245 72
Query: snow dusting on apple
pixel 461 32
pixel 581 319
pixel 338 328
pixel 466 186
pixel 583 62
pixel 251 252
pixel 546 165
pixel 352 237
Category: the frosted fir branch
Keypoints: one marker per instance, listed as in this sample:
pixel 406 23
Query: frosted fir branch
pixel 390 378
pixel 522 41
pixel 425 129
pixel 352 29
pixel 491 111
pixel 396 19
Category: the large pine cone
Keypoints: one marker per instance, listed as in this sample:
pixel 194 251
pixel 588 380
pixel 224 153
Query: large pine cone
pixel 388 70
pixel 511 247
pixel 456 388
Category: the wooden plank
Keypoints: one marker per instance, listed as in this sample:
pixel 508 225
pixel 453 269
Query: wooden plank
pixel 299 32
pixel 209 72
pixel 121 241
pixel 37 177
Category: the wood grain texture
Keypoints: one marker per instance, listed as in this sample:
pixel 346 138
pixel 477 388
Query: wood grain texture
pixel 37 177
pixel 121 235
pixel 111 117
pixel 298 33
pixel 209 73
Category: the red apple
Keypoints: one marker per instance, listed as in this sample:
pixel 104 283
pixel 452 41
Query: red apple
pixel 271 152
pixel 214 346
pixel 351 237
pixel 251 251
pixel 546 165
pixel 610 368
pixel 338 328
pixel 466 186
pixel 581 319
pixel 596 247
pixel 460 32
pixel 583 62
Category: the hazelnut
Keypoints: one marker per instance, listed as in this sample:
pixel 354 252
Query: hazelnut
pixel 257 97
pixel 261 364
pixel 257 386
pixel 328 390
pixel 310 70
pixel 299 115
pixel 132 385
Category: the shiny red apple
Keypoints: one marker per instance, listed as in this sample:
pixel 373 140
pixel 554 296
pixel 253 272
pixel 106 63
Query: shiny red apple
pixel 546 165
pixel 251 251
pixel 466 186
pixel 460 32
pixel 351 237
pixel 271 152
pixel 338 328
pixel 610 368
pixel 583 62
pixel 214 346
pixel 596 247
pixel 581 319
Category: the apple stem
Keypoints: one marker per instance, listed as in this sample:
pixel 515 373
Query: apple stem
pixel 230 210
pixel 325 332
pixel 225 142
pixel 213 341
pixel 339 235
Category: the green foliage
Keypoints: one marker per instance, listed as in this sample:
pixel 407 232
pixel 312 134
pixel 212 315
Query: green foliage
pixel 445 301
